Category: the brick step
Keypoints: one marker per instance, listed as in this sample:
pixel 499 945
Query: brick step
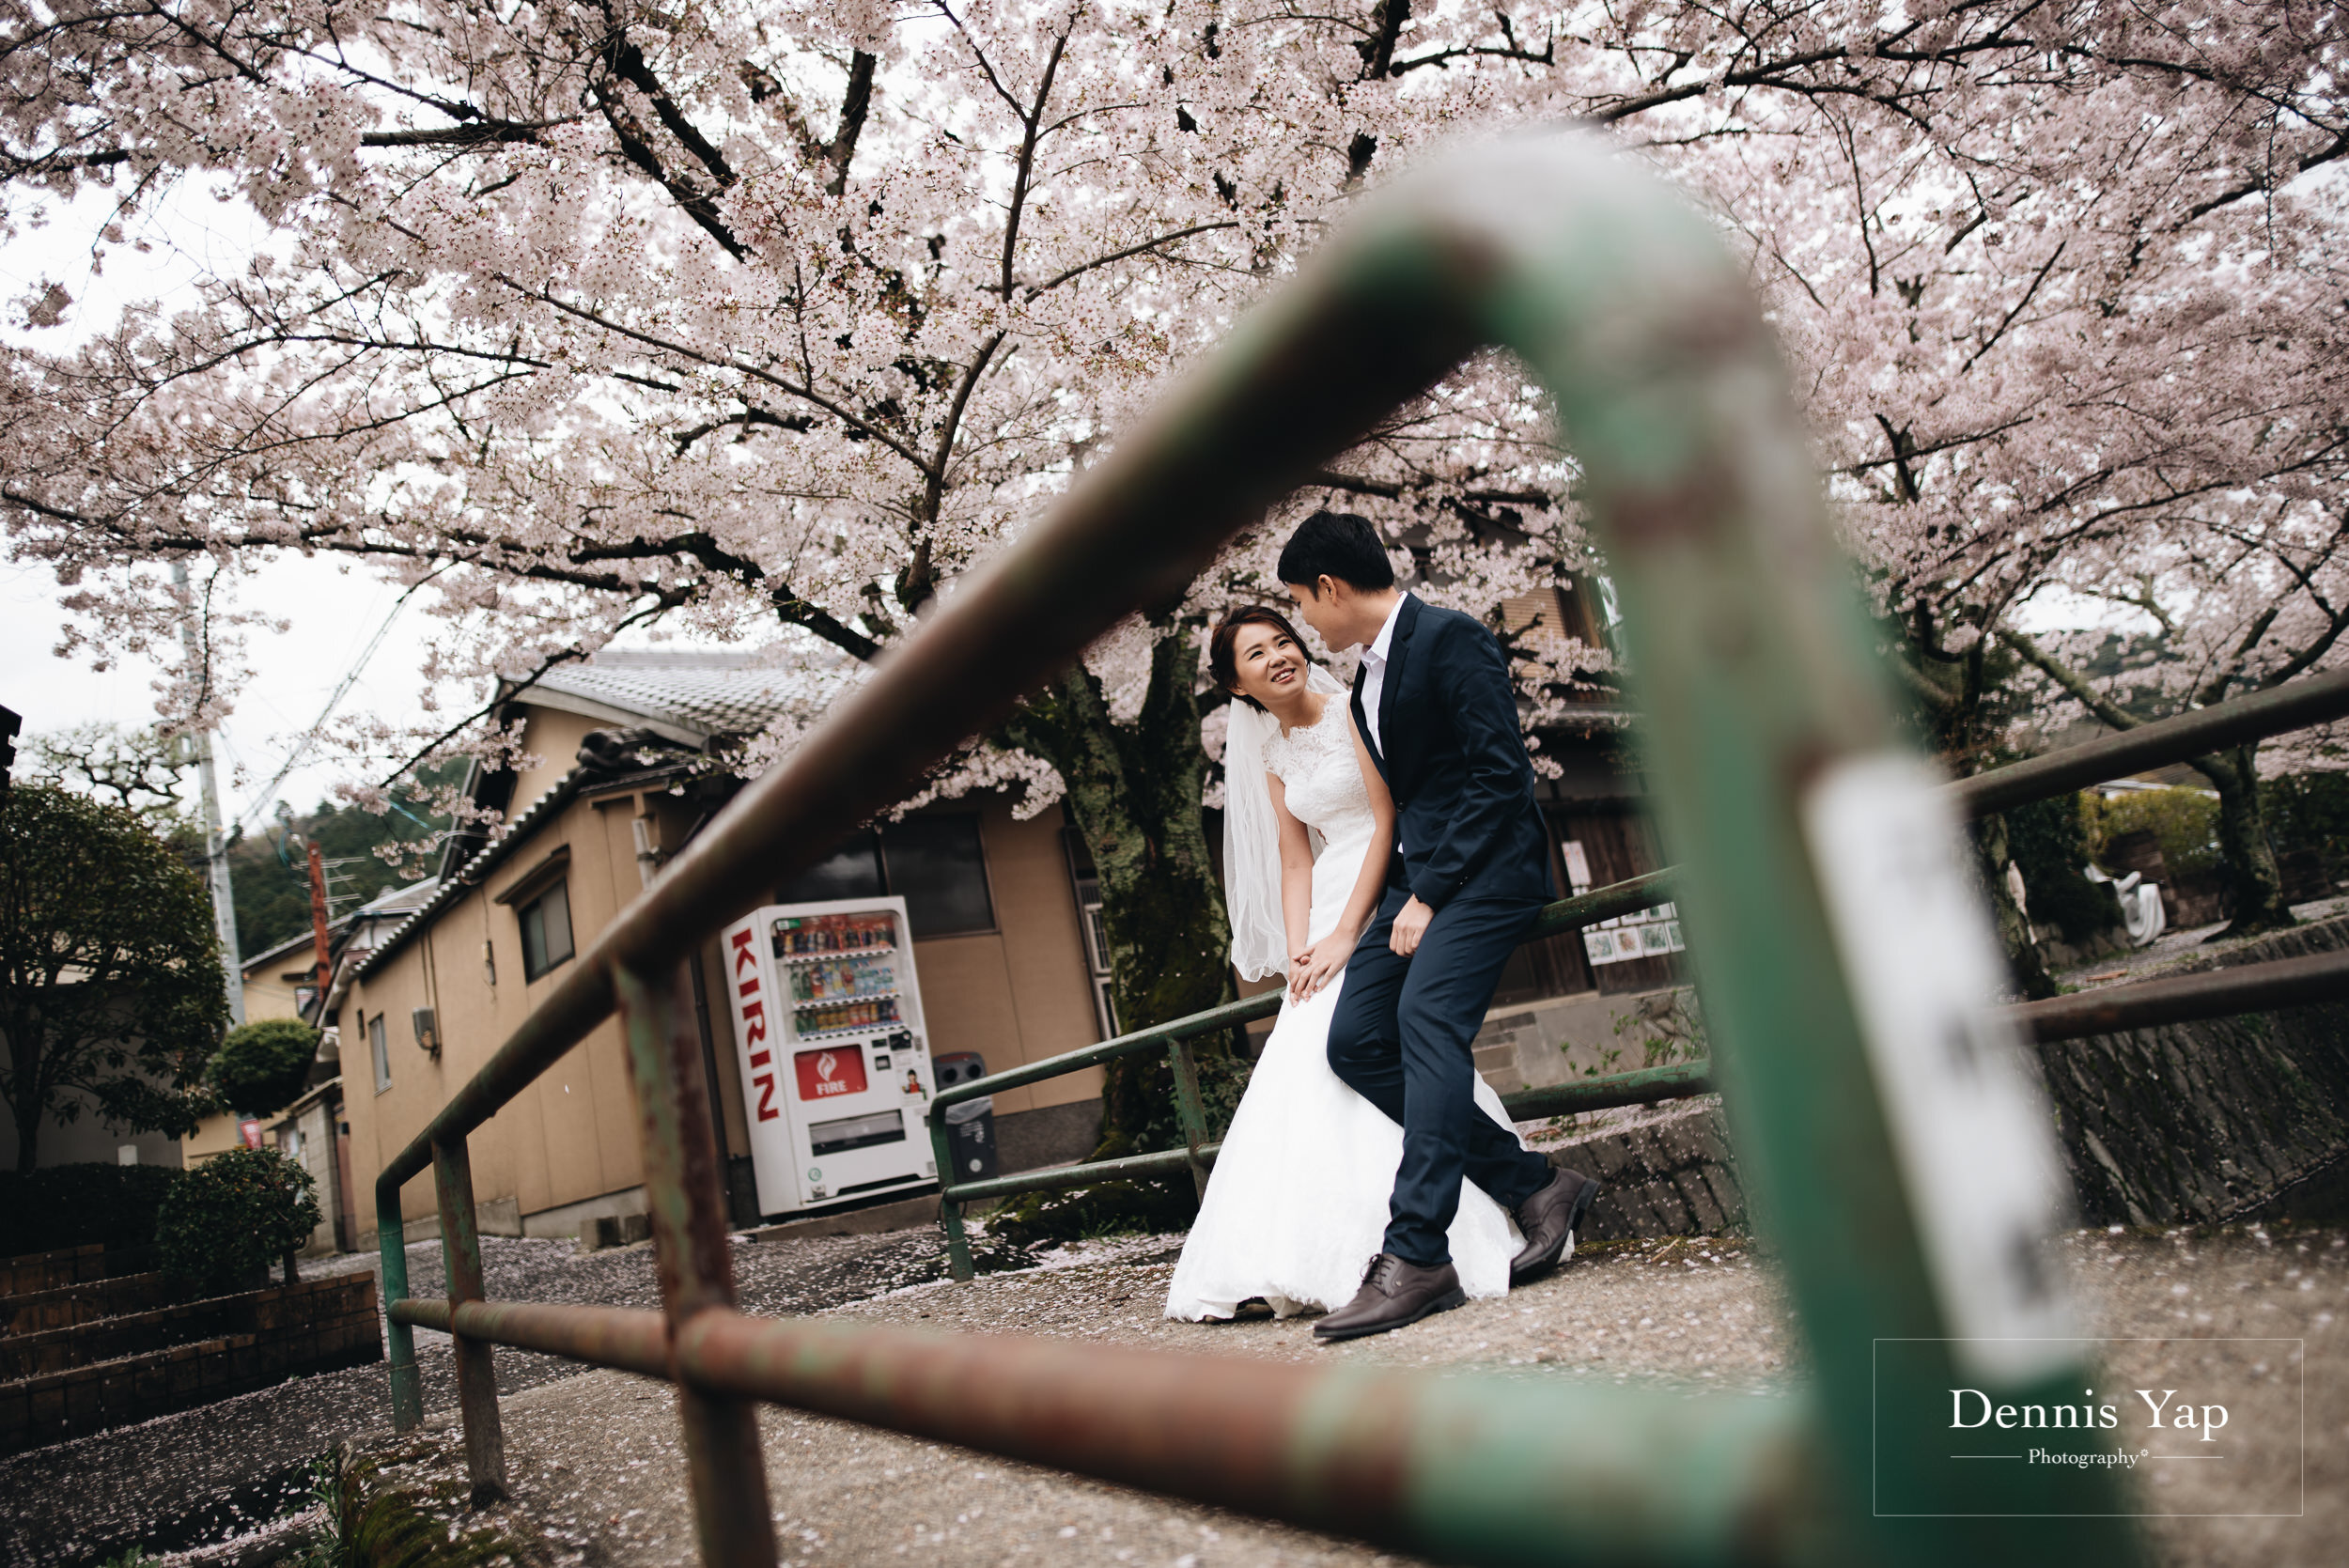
pixel 74 1402
pixel 69 1305
pixel 278 1310
pixel 34 1272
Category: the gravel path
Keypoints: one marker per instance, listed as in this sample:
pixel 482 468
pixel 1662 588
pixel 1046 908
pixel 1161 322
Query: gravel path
pixel 599 1476
pixel 201 1475
pixel 2178 947
pixel 597 1468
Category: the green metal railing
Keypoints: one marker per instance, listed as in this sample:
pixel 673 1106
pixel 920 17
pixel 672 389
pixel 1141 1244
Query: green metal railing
pixel 1759 677
pixel 2283 983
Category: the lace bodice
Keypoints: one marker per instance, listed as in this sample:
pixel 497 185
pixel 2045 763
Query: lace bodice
pixel 1320 776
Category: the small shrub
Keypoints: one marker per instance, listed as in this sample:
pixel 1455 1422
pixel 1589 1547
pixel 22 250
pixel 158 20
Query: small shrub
pixel 393 1513
pixel 2183 821
pixel 74 1205
pixel 262 1067
pixel 2310 811
pixel 228 1218
pixel 1671 1030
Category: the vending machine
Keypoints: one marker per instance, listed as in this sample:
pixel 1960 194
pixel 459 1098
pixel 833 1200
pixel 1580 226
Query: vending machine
pixel 836 1077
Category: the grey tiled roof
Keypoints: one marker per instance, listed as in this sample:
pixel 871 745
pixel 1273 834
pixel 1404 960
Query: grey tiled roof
pixel 703 691
pixel 405 895
pixel 709 692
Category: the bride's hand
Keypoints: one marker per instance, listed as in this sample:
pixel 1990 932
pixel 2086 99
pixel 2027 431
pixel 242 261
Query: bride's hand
pixel 1314 968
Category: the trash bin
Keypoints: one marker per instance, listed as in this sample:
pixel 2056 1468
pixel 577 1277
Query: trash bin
pixel 970 1124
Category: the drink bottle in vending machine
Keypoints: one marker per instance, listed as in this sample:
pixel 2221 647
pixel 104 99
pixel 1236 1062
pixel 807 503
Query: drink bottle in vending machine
pixel 836 1074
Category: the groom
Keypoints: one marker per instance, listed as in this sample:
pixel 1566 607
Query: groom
pixel 1469 871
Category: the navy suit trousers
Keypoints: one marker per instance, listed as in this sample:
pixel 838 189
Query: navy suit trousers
pixel 1401 1038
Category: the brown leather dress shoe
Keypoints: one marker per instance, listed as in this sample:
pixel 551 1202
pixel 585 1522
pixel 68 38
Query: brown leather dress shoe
pixel 1394 1294
pixel 1549 1219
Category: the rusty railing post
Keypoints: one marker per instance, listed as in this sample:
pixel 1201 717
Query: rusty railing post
pixel 476 1378
pixel 949 1212
pixel 685 1192
pixel 399 1341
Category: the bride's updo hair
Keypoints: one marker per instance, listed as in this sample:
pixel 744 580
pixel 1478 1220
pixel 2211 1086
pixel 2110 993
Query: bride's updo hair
pixel 1223 656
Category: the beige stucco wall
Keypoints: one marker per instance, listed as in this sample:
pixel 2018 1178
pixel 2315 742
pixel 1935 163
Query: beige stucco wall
pixel 315 1149
pixel 1021 993
pixel 552 737
pixel 213 1135
pixel 1016 994
pixel 568 1137
pixel 267 992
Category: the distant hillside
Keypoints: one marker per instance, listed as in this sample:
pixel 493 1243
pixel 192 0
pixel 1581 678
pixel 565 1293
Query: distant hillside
pixel 271 875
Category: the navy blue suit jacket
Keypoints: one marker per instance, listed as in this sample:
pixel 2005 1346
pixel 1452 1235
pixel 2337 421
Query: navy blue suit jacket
pixel 1454 761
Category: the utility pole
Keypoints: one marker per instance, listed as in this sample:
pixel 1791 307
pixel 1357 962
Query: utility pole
pixel 319 931
pixel 215 836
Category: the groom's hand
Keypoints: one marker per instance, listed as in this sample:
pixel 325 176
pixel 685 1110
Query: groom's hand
pixel 1410 924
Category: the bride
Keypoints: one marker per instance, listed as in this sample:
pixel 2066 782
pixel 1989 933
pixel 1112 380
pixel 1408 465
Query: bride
pixel 1297 1198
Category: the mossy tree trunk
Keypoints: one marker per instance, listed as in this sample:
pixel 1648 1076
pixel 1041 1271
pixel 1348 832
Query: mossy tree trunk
pixel 2025 966
pixel 1954 692
pixel 1134 792
pixel 2255 885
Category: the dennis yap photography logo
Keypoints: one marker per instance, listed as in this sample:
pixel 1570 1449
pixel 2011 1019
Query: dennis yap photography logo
pixel 2178 1427
pixel 1971 1409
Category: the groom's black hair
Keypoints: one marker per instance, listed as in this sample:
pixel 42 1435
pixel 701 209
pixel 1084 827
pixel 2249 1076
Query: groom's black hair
pixel 1339 545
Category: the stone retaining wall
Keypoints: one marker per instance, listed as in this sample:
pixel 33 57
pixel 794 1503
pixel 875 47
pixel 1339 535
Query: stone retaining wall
pixel 287 1332
pixel 2194 1123
pixel 2200 1123
pixel 1662 1171
pixel 1565 1039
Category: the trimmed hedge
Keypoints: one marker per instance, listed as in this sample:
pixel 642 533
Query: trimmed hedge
pixel 74 1205
pixel 263 1066
pixel 233 1216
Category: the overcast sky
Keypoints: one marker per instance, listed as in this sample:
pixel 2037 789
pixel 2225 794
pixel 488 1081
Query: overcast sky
pixel 333 614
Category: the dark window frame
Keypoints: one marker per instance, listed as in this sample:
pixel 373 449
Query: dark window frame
pixel 986 880
pixel 380 1049
pixel 545 961
pixel 875 842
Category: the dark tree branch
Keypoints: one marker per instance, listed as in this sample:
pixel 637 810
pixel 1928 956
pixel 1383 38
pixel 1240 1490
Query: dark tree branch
pixel 805 394
pixel 628 63
pixel 2073 683
pixel 1386 27
pixel 1031 121
pixel 1151 245
pixel 473 133
pixel 853 108
pixel 2008 320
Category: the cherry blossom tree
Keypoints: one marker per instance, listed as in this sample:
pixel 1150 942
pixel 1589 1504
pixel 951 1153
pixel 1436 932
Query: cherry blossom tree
pixel 2236 604
pixel 601 318
pixel 731 320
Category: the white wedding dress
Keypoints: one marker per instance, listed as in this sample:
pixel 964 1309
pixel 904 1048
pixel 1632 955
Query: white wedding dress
pixel 1296 1203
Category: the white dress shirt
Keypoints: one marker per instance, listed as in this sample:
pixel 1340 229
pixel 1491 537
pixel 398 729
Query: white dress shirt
pixel 1375 672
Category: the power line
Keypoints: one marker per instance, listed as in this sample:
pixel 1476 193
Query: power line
pixel 267 795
